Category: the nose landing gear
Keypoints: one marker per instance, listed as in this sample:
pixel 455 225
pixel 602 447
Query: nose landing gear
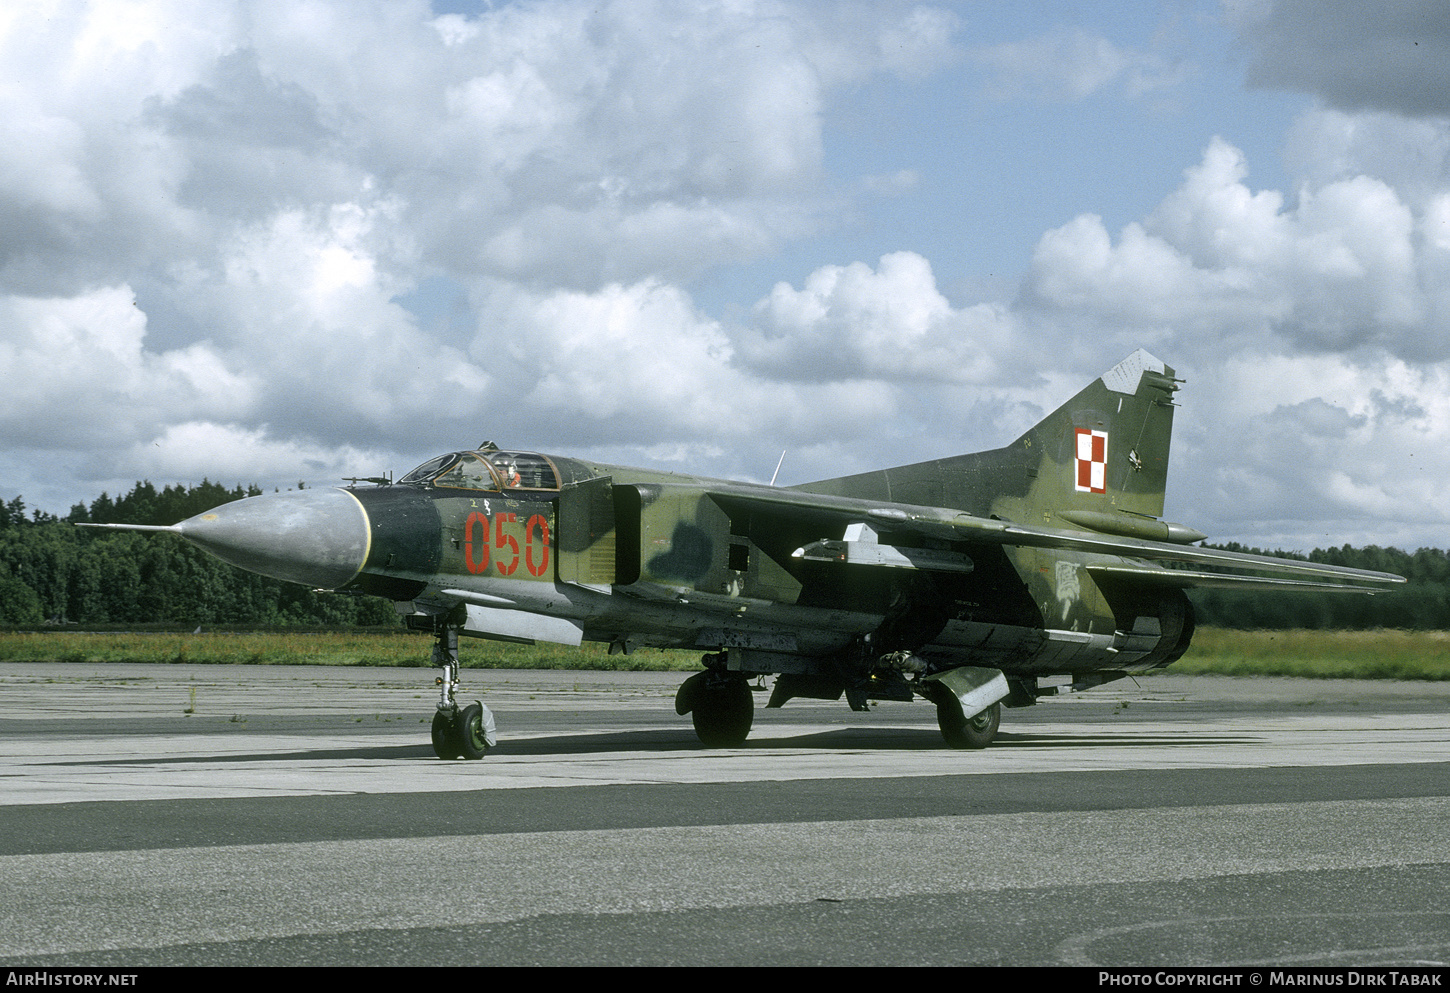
pixel 458 733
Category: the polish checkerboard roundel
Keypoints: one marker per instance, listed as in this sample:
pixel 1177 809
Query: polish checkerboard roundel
pixel 1091 461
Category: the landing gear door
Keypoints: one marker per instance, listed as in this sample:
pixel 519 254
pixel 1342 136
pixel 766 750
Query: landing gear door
pixel 585 544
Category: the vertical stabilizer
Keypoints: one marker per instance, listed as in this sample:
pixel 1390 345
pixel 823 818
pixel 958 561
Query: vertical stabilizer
pixel 1106 449
pixel 1099 461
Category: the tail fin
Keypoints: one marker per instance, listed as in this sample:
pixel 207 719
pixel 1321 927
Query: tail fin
pixel 1105 451
pixel 1099 461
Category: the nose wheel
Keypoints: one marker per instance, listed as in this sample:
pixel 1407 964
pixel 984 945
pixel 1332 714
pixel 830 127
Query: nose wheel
pixel 458 732
pixel 466 734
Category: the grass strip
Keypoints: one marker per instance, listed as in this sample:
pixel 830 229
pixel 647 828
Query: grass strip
pixel 1380 654
pixel 320 648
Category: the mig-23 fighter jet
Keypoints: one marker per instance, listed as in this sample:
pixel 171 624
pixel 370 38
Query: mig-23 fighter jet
pixel 963 581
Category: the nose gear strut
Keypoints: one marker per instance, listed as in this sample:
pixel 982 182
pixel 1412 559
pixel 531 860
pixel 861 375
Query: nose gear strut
pixel 466 732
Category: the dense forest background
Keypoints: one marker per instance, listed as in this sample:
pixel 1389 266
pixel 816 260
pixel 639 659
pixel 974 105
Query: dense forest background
pixel 53 571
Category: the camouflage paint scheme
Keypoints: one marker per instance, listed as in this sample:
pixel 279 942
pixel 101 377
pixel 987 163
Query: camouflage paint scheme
pixel 963 580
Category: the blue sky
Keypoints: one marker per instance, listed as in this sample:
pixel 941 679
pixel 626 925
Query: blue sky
pixel 260 242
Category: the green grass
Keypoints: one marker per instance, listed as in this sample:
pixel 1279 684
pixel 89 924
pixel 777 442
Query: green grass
pixel 1379 654
pixel 325 648
pixel 1383 654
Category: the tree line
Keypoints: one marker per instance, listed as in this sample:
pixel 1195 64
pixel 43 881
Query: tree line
pixel 51 570
pixel 1423 603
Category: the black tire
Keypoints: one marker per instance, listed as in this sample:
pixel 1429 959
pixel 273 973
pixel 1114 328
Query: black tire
pixel 447 740
pixel 723 714
pixel 961 731
pixel 471 743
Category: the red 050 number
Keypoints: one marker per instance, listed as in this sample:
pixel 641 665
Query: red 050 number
pixel 502 549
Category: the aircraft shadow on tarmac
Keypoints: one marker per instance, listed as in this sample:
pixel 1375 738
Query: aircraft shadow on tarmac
pixel 894 739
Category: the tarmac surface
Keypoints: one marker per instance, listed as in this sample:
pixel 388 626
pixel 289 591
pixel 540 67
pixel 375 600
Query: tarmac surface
pixel 239 815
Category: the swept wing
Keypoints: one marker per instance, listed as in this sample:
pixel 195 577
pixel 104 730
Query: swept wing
pixel 1162 563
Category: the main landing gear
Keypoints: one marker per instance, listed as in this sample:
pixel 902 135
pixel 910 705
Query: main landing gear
pixel 458 732
pixel 963 731
pixel 968 704
pixel 968 699
pixel 719 704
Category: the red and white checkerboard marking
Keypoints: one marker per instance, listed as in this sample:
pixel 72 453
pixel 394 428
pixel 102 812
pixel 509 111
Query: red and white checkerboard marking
pixel 1091 461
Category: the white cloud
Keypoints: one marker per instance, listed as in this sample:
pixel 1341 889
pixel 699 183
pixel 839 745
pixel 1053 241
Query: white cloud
pixel 304 305
pixel 1270 443
pixel 918 44
pixel 1071 64
pixel 1313 333
pixel 1412 155
pixel 273 178
pixel 890 323
pixel 87 189
pixel 1341 269
pixel 231 454
pixel 632 125
pixel 38 169
pixel 77 374
pixel 639 365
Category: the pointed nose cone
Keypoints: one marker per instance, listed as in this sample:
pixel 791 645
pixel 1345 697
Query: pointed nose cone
pixel 316 537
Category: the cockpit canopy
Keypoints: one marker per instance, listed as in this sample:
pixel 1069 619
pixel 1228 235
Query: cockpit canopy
pixel 487 470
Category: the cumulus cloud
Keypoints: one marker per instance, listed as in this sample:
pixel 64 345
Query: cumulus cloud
pixel 888 323
pixel 1412 155
pixel 564 142
pixel 77 374
pixel 88 187
pixel 1343 268
pixel 212 214
pixel 640 365
pixel 301 303
pixel 1282 443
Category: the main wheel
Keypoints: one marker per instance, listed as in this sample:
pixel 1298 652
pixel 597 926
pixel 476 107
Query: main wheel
pixel 961 731
pixel 472 744
pixel 723 714
pixel 447 737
